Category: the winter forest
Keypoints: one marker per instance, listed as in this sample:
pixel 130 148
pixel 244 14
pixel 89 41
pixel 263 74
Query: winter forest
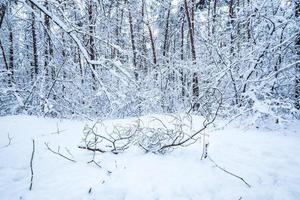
pixel 133 93
pixel 129 58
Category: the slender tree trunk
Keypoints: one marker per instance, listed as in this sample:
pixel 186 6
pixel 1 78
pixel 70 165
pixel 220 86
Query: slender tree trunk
pixel 11 58
pixel 2 13
pixel 34 69
pixel 48 52
pixel 297 67
pixel 208 21
pixel 48 56
pixel 214 16
pixel 195 85
pixel 144 45
pixel 63 51
pixel 166 35
pixel 231 25
pixel 193 50
pixel 182 39
pixel 152 44
pixel 4 56
pixel 91 39
pixel 134 59
pixel 182 74
pixel 193 16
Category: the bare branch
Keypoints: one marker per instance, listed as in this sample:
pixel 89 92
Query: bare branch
pixel 31 164
pixel 228 172
pixel 9 141
pixel 58 153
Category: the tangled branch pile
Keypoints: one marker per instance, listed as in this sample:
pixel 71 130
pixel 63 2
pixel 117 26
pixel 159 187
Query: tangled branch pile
pixel 154 135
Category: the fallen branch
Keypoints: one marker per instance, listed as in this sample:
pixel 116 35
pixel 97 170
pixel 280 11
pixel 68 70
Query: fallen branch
pixel 93 149
pixel 230 173
pixel 58 153
pixel 31 161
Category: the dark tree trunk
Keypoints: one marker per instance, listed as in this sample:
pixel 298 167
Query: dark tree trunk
pixel 48 46
pixel 193 51
pixel 297 68
pixel 91 39
pixel 152 44
pixel 195 85
pixel 2 13
pixel 166 35
pixel 11 58
pixel 134 60
pixel 182 74
pixel 231 25
pixel 214 15
pixel 4 56
pixel 34 69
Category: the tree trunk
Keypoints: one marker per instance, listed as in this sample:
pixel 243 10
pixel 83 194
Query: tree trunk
pixel 2 13
pixel 214 15
pixel 195 85
pixel 297 67
pixel 11 58
pixel 182 74
pixel 4 56
pixel 91 40
pixel 231 25
pixel 132 41
pixel 34 69
pixel 48 52
pixel 152 44
pixel 166 35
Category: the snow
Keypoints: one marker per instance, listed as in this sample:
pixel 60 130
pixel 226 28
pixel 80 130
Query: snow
pixel 268 160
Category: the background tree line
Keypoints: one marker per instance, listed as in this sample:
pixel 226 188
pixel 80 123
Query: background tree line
pixel 116 58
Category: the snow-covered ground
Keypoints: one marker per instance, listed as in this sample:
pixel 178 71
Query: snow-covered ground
pixel 268 160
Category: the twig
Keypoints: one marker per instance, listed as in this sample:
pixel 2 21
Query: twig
pixel 230 173
pixel 69 152
pixel 57 130
pixel 58 153
pixel 93 161
pixel 9 141
pixel 31 161
pixel 146 150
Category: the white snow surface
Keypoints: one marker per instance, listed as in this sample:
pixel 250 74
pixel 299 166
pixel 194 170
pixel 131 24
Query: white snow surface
pixel 268 160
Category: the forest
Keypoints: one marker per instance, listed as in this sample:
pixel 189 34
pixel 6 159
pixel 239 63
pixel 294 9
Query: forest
pixel 115 58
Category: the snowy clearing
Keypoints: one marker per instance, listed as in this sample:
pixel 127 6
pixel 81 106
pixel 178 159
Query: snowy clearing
pixel 268 160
